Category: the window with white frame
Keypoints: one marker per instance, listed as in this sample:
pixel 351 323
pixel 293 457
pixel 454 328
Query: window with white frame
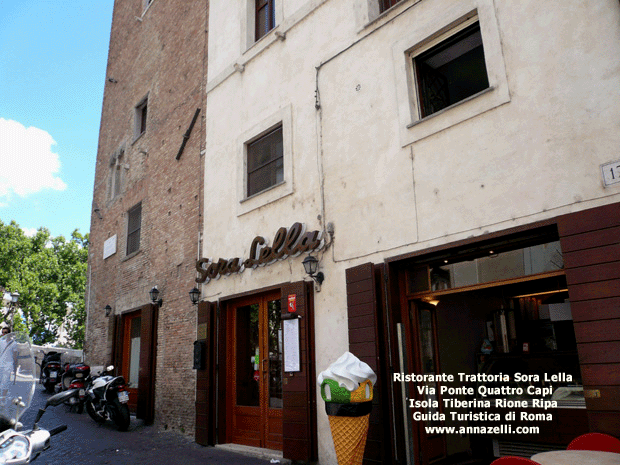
pixel 450 71
pixel 140 117
pixel 134 225
pixel 265 162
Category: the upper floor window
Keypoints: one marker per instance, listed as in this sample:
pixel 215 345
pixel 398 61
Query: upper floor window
pixel 386 4
pixel 451 70
pixel 265 162
pixel 141 112
pixel 134 223
pixel 265 17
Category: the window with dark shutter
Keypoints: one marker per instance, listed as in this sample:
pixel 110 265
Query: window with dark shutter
pixel 386 4
pixel 265 17
pixel 265 162
pixel 134 221
pixel 141 113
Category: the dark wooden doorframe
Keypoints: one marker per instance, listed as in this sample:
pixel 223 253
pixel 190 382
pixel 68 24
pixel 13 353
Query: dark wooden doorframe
pixel 129 320
pixel 426 448
pixel 145 395
pixel 257 425
pixel 299 388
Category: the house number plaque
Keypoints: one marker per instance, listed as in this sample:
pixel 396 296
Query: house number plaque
pixel 611 173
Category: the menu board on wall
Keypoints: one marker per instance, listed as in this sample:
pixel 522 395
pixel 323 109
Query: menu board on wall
pixel 291 345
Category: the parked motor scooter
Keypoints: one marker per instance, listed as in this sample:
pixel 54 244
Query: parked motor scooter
pixel 75 377
pixel 107 397
pixel 17 382
pixel 50 370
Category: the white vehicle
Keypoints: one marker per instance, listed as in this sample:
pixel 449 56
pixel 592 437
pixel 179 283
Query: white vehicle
pixel 17 384
pixel 107 397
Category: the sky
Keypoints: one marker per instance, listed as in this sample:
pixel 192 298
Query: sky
pixel 53 56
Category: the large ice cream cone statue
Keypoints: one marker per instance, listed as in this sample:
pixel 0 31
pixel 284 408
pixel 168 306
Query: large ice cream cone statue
pixel 346 388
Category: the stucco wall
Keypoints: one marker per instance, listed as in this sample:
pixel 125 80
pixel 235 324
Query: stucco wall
pixel 528 149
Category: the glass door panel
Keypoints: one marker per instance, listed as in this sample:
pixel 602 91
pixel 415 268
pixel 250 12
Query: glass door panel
pixel 248 356
pixel 431 447
pixel 274 342
pixel 134 352
pixel 428 359
pixel 255 372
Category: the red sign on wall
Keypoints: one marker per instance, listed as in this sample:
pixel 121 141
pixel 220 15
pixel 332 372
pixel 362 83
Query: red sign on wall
pixel 292 303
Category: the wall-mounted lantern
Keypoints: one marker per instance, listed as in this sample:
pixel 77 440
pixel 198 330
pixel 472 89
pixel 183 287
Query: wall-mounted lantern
pixel 194 295
pixel 154 293
pixel 108 310
pixel 311 265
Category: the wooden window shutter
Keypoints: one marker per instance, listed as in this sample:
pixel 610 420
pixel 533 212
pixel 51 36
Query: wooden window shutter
pixel 148 351
pixel 365 334
pixel 299 391
pixel 205 379
pixel 590 251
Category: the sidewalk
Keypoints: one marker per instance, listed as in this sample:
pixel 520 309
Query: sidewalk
pixel 88 443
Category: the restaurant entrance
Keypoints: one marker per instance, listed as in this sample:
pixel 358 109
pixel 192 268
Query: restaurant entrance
pixel 500 309
pixel 254 371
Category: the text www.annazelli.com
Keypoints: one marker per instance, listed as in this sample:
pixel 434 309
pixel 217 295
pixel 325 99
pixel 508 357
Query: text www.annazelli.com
pixel 499 429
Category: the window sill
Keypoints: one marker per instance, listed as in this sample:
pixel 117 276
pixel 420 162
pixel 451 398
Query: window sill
pixel 387 15
pixel 138 137
pixel 448 108
pixel 253 196
pixel 266 197
pixel 131 255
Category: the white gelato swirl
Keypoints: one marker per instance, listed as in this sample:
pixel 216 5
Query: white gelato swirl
pixel 348 371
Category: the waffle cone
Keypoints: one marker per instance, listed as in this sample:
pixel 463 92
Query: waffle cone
pixel 349 435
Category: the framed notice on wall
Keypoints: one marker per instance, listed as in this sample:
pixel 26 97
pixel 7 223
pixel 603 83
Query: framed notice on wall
pixel 291 345
pixel 109 247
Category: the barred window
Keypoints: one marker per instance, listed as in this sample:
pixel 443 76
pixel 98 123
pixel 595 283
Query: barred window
pixel 265 162
pixel 134 222
pixel 451 71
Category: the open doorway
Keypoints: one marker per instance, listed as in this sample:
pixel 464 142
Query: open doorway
pixel 483 316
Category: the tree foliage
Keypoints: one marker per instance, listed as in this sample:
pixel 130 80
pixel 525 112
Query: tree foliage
pixel 50 275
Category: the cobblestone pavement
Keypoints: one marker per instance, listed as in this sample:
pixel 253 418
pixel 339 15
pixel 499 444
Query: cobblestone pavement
pixel 87 443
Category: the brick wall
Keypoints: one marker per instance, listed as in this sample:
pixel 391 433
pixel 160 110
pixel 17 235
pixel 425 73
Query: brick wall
pixel 160 52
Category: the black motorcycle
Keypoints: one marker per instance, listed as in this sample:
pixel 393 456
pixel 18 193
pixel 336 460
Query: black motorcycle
pixel 75 377
pixel 50 370
pixel 107 398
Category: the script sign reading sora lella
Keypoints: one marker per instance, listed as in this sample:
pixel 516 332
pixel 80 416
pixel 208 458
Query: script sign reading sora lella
pixel 286 243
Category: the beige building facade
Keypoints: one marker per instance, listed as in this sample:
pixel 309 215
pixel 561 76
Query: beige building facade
pixel 411 135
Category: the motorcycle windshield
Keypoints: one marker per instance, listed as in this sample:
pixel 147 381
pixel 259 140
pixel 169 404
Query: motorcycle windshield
pixel 17 376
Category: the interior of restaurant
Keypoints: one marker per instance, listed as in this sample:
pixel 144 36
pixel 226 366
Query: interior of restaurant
pixel 502 312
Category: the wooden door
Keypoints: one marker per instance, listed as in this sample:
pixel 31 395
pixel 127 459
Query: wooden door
pixel 130 369
pixel 254 372
pixel 423 340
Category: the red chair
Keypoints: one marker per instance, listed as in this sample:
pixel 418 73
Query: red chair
pixel 509 460
pixel 595 441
